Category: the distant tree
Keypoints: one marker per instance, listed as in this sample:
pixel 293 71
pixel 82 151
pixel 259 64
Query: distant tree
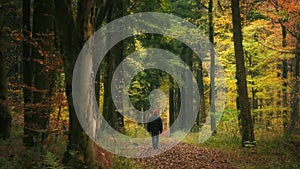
pixel 201 117
pixel 286 14
pixel 245 114
pixel 171 103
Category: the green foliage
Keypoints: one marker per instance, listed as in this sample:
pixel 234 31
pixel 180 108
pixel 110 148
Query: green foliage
pixel 123 163
pixel 4 162
pixel 223 141
pixel 51 161
pixel 191 138
pixel 255 14
pixel 280 146
pixel 32 159
pixel 136 131
pixel 74 159
pixel 141 86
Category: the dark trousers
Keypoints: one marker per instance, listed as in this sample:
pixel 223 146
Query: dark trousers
pixel 155 140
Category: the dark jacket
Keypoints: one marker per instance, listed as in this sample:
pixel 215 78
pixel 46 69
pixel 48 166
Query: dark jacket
pixel 155 126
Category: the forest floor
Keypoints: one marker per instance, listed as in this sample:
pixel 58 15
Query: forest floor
pixel 186 155
pixel 277 155
pixel 220 151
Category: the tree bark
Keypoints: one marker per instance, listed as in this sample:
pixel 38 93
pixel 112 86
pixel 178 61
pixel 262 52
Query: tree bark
pixel 37 122
pixel 5 114
pixel 116 55
pixel 27 73
pixel 73 32
pixel 295 116
pixel 246 119
pixel 285 84
pixel 201 118
pixel 212 69
pixel 171 104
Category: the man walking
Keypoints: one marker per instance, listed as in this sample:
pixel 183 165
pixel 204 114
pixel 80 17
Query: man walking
pixel 155 127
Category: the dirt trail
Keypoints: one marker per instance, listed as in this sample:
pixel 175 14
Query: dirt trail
pixel 187 156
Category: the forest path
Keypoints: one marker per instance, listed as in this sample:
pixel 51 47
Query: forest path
pixel 186 155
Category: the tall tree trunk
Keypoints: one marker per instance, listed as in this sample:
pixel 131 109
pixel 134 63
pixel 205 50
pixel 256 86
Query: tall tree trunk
pixel 295 116
pixel 186 91
pixel 116 55
pixel 37 122
pixel 285 84
pixel 73 33
pixel 212 69
pixel 5 114
pixel 171 104
pixel 201 118
pixel 27 73
pixel 246 119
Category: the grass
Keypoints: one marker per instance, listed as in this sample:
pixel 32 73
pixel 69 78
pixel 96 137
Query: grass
pixel 277 152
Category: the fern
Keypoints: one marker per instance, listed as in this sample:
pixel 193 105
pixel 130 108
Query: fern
pixel 51 161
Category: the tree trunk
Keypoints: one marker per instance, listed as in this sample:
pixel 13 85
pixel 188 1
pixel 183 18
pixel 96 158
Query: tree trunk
pixel 116 55
pixel 73 33
pixel 212 69
pixel 186 91
pixel 5 114
pixel 285 84
pixel 201 118
pixel 38 121
pixel 171 104
pixel 246 119
pixel 295 116
pixel 27 74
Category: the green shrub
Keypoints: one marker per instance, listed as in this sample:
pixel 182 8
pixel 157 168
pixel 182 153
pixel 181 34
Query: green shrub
pixel 136 131
pixel 123 163
pixel 51 162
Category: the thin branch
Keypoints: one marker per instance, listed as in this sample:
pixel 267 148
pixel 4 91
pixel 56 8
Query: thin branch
pixel 129 7
pixel 200 4
pixel 12 68
pixel 288 30
pixel 220 6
